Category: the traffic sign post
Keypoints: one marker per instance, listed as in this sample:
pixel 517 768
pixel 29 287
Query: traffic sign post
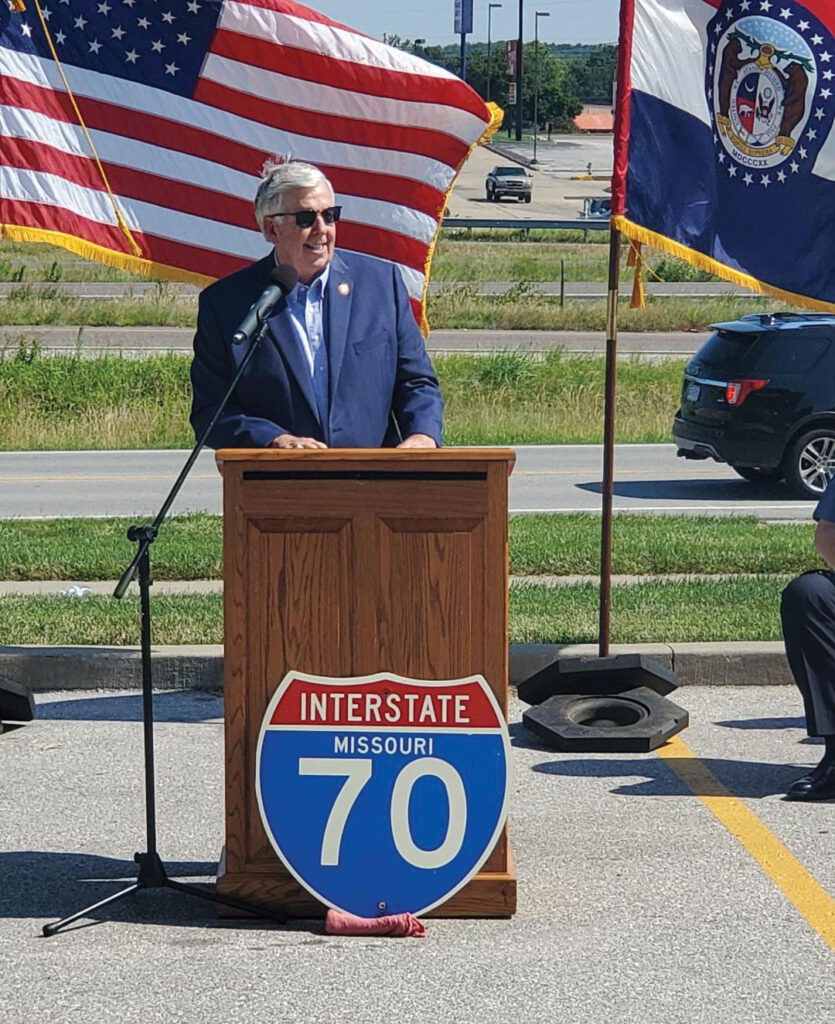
pixel 383 794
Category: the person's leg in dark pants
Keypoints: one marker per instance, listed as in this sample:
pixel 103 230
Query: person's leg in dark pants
pixel 808 615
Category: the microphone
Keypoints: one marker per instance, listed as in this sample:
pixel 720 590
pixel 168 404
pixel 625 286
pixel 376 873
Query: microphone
pixel 284 278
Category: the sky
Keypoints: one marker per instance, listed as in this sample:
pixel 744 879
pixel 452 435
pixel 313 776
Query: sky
pixel 570 21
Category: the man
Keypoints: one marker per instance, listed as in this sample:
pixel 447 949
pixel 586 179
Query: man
pixel 808 613
pixel 343 363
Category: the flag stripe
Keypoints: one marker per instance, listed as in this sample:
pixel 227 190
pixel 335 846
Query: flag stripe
pixel 134 98
pixel 316 83
pixel 309 124
pixel 237 157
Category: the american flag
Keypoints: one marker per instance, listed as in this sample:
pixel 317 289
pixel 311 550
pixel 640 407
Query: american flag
pixel 134 131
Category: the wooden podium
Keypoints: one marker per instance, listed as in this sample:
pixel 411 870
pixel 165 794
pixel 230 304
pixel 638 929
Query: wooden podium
pixel 348 562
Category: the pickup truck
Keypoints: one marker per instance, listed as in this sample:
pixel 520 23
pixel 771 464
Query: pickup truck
pixel 508 181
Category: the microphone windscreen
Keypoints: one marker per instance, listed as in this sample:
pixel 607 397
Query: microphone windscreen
pixel 285 276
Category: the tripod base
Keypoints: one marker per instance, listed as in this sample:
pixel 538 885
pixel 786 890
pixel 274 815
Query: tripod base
pixel 152 875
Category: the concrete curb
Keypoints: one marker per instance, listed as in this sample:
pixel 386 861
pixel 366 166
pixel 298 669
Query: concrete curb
pixel 201 667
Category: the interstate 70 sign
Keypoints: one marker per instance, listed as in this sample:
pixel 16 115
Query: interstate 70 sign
pixel 382 794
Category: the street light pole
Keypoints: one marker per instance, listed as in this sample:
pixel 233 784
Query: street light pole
pixel 537 16
pixel 489 17
pixel 519 45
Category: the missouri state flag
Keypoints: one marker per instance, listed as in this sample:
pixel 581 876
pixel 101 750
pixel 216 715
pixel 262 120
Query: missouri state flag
pixel 134 131
pixel 724 150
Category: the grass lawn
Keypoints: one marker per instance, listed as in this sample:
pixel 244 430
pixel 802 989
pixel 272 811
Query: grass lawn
pixel 652 612
pixel 63 402
pixel 189 547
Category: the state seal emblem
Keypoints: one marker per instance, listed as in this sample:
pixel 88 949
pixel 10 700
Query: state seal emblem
pixel 766 87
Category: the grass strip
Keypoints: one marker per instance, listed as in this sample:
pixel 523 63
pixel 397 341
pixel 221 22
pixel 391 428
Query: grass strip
pixel 508 397
pixel 725 610
pixel 190 547
pixel 454 308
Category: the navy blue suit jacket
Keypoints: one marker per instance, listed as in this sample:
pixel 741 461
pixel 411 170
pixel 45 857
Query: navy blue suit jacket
pixel 376 354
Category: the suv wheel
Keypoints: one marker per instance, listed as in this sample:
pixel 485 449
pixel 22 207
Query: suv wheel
pixel 757 475
pixel 811 462
pixel 489 194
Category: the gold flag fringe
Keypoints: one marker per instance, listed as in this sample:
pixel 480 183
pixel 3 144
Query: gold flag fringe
pixel 109 257
pixel 636 233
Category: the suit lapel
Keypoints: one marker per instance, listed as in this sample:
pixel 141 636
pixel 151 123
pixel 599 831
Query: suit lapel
pixel 339 294
pixel 283 336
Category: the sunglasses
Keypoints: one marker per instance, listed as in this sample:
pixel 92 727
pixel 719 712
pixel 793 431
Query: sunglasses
pixel 307 218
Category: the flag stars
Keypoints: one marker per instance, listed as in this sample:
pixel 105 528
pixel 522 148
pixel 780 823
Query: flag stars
pixel 60 37
pixel 128 3
pixel 721 158
pixel 826 93
pixel 794 167
pixel 143 23
pixel 829 75
pixel 104 8
pixel 732 171
pixel 80 22
pixel 817 40
pixel 193 7
pixel 825 57
pixel 24 28
pixel 168 17
pixel 95 46
pixel 744 5
pixel 184 38
pixel 803 153
pixel 748 179
pixel 131 56
pixel 117 33
pixel 811 135
pixel 803 25
pixel 819 114
pixel 785 13
pixel 765 181
pixel 158 46
pixel 781 177
pixel 47 14
pixel 765 5
pixel 171 69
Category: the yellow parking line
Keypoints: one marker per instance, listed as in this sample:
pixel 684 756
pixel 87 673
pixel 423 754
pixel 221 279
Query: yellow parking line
pixel 789 875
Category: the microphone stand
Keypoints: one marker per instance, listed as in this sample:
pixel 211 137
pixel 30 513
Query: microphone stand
pixel 152 873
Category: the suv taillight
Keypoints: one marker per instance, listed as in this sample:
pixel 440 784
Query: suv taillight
pixel 736 391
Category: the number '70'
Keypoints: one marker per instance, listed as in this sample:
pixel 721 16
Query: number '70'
pixel 357 772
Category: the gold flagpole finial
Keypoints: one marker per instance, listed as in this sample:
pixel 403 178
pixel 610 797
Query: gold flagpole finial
pixel 17 6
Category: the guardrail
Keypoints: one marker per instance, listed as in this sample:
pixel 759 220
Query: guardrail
pixel 584 223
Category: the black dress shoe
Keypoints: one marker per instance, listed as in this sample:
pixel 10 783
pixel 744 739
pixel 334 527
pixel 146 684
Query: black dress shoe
pixel 819 784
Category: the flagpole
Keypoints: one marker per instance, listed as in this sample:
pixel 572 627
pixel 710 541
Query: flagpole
pixel 609 443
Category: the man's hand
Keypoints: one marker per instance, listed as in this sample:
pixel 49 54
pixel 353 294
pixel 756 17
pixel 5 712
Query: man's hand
pixel 418 441
pixel 291 441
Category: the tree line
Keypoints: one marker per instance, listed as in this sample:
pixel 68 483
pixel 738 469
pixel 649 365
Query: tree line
pixel 566 81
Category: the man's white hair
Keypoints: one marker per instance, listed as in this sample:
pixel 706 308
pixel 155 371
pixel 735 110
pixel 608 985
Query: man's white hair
pixel 277 179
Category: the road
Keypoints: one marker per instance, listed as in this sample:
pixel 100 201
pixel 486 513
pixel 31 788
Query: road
pixel 137 342
pixel 548 478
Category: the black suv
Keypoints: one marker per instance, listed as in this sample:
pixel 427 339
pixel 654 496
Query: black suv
pixel 760 395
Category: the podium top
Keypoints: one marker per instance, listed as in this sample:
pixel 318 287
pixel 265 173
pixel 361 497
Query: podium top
pixel 367 455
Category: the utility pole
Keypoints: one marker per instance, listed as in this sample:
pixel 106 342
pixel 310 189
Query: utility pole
pixel 519 46
pixel 537 16
pixel 490 8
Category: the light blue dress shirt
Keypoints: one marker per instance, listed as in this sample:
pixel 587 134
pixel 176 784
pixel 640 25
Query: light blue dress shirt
pixel 305 305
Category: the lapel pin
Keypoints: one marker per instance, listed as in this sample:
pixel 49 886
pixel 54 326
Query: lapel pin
pixel 344 289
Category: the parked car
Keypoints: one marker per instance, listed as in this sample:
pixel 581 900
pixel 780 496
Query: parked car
pixel 760 395
pixel 508 181
pixel 600 208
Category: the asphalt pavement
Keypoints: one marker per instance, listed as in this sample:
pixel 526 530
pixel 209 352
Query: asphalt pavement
pixel 547 478
pixel 643 898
